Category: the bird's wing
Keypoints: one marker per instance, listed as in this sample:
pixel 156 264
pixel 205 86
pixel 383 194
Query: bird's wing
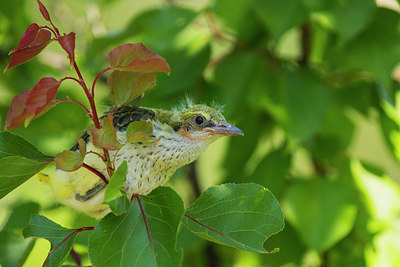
pixel 127 114
pixel 122 118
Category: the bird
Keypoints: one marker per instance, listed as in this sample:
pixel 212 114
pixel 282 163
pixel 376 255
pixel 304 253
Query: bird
pixel 181 136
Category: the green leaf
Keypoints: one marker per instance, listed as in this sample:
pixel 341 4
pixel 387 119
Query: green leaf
pixel 233 13
pixel 390 124
pixel 21 215
pixel 115 195
pixel 365 52
pixel 13 247
pixel 119 205
pixel 297 99
pixel 140 131
pixel 42 227
pixel 14 171
pixel 347 12
pixel 278 16
pixel 272 170
pixel 377 190
pixel 105 137
pixel 14 145
pixel 126 86
pixel 71 160
pixel 237 215
pixel 123 240
pixel 321 211
pixel 117 183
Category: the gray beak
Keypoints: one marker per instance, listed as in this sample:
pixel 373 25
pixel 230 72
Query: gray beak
pixel 224 128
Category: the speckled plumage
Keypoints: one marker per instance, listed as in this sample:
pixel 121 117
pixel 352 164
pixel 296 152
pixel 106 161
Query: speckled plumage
pixel 149 164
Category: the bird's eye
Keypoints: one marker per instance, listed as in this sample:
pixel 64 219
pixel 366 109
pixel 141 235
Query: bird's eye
pixel 199 120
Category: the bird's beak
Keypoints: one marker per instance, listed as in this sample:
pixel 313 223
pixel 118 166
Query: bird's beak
pixel 224 128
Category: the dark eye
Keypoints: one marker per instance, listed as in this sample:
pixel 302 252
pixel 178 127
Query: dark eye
pixel 199 120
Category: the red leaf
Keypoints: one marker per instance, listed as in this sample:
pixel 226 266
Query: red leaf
pixel 126 86
pixel 137 57
pixel 32 42
pixel 33 103
pixel 68 44
pixel 44 11
pixel 105 137
pixel 71 160
pixel 27 37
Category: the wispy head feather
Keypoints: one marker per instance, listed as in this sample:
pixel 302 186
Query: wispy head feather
pixel 188 102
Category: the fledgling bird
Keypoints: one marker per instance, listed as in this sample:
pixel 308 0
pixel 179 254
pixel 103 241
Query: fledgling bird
pixel 183 136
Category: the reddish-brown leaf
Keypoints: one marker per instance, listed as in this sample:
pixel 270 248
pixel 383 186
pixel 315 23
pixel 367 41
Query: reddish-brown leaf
pixel 32 42
pixel 27 37
pixel 33 103
pixel 106 137
pixel 71 160
pixel 126 86
pixel 67 42
pixel 44 11
pixel 137 57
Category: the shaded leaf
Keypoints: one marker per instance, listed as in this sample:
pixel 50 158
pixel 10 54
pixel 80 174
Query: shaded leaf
pixel 105 137
pixel 32 42
pixel 292 97
pixel 272 170
pixel 278 16
pixel 43 10
pixel 115 195
pixel 14 145
pixel 321 211
pixel 14 249
pixel 127 86
pixel 123 240
pixel 33 103
pixel 14 171
pixel 347 12
pixel 71 160
pixel 67 42
pixel 40 226
pixel 237 215
pixel 140 131
pixel 137 57
pixel 365 52
pixel 21 215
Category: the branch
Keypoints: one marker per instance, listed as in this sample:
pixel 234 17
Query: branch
pixel 76 102
pixel 99 174
pixel 97 77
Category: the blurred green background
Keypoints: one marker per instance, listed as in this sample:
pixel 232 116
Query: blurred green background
pixel 312 83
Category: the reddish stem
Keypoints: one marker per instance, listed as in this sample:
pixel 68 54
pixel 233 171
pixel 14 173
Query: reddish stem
pixel 75 257
pixel 50 29
pixel 97 154
pixel 71 78
pixel 147 228
pixel 55 29
pixel 97 77
pixel 95 117
pixel 75 231
pixel 76 102
pixel 99 174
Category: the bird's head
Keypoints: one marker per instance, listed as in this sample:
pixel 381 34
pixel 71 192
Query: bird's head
pixel 204 123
